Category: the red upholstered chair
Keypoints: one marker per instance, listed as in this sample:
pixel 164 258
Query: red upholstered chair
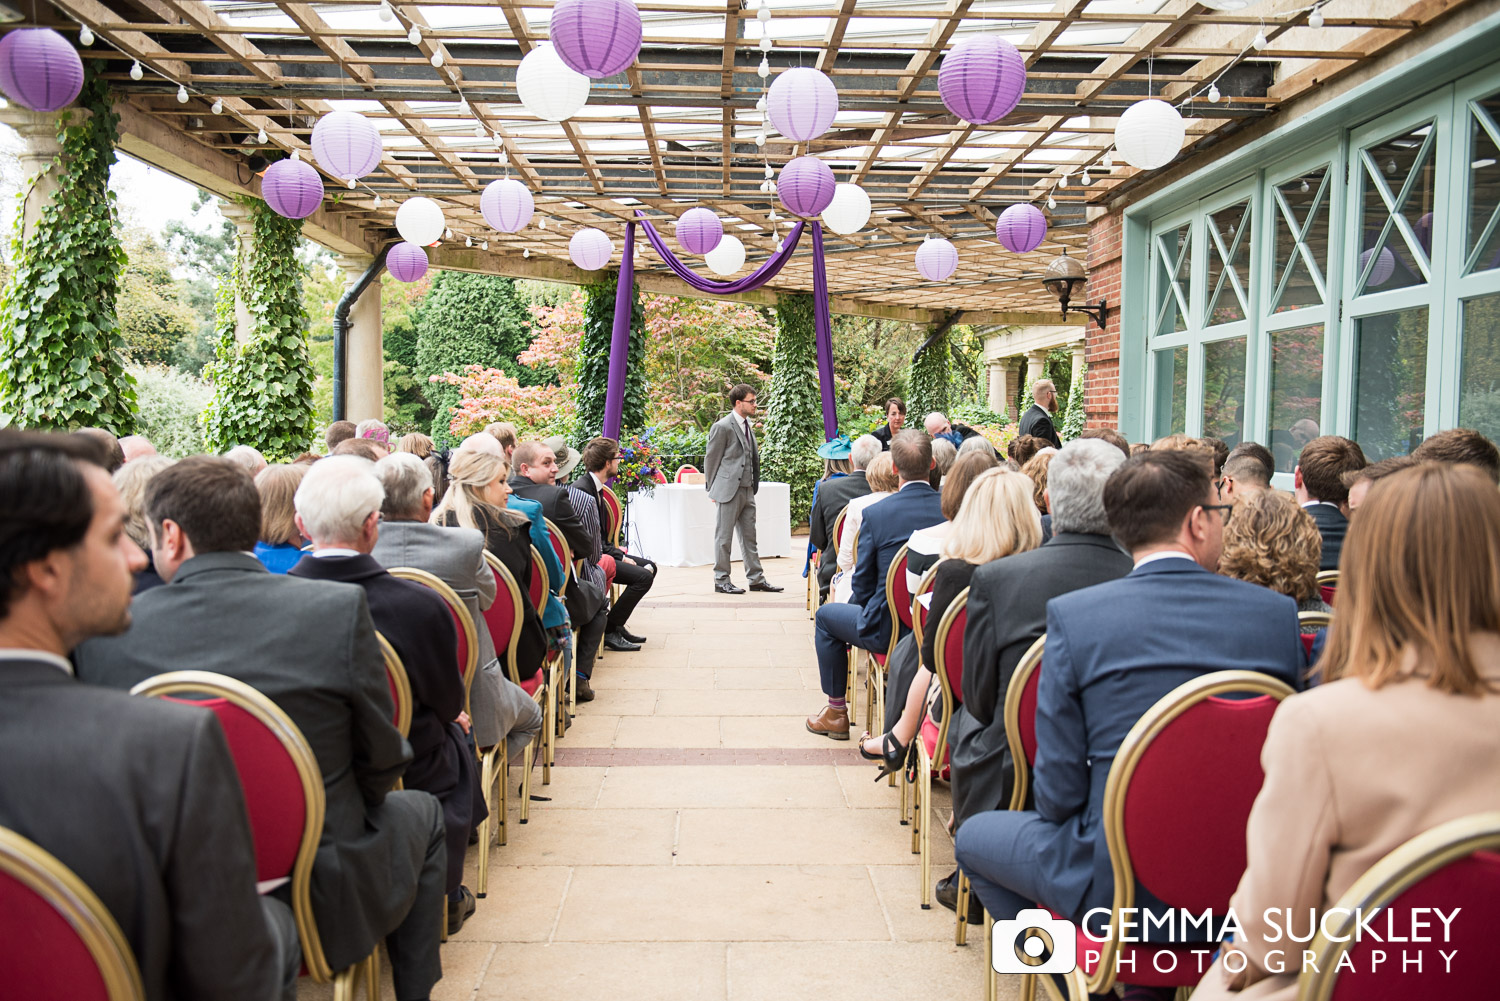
pixel 683 470
pixel 898 607
pixel 1454 866
pixel 932 743
pixel 918 627
pixel 284 797
pixel 58 942
pixel 1328 584
pixel 1309 623
pixel 463 622
pixel 565 557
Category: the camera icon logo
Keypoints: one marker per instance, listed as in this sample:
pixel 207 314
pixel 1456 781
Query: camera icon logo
pixel 1035 942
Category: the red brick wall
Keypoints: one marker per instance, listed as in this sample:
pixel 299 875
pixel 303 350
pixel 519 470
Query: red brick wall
pixel 1102 347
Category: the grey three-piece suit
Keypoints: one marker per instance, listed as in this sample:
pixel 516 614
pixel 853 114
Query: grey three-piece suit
pixel 731 471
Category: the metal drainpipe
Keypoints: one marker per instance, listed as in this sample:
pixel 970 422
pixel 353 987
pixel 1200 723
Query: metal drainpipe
pixel 341 330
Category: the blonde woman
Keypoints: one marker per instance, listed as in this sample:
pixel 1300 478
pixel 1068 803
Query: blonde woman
pixel 1402 735
pixel 131 480
pixel 476 497
pixel 881 475
pixel 997 518
pixel 280 545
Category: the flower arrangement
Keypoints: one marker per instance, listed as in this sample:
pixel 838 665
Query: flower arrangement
pixel 640 465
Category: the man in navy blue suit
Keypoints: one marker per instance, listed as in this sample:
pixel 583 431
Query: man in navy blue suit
pixel 1113 650
pixel 863 620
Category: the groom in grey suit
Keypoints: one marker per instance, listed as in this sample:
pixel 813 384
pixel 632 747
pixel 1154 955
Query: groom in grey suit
pixel 731 471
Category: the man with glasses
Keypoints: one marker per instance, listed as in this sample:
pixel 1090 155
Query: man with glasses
pixel 731 471
pixel 1037 420
pixel 1113 650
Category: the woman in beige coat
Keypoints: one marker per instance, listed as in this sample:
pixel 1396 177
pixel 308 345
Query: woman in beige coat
pixel 1404 732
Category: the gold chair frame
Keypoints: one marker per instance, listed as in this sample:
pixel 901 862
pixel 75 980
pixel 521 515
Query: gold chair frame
pixel 922 793
pixel 609 504
pixel 396 671
pixel 561 541
pixel 1405 866
pixel 1020 770
pixel 269 714
pixel 560 723
pixel 1310 621
pixel 460 612
pixel 908 796
pixel 41 872
pixel 1329 577
pixel 874 672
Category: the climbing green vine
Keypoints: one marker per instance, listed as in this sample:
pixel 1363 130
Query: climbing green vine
pixel 60 346
pixel 262 387
pixel 793 406
pixel 593 361
pixel 927 390
pixel 1074 416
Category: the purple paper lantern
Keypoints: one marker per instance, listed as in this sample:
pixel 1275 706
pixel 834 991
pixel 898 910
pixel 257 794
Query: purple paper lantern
pixel 1385 266
pixel 347 144
pixel 292 188
pixel 1021 228
pixel 597 38
pixel 801 103
pixel 806 186
pixel 590 249
pixel 39 69
pixel 937 259
pixel 699 231
pixel 982 79
pixel 507 205
pixel 406 262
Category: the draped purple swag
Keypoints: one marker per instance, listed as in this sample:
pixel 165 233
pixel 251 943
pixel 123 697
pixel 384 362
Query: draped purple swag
pixel 619 339
pixel 615 395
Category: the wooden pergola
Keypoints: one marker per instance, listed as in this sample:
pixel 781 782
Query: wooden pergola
pixel 680 127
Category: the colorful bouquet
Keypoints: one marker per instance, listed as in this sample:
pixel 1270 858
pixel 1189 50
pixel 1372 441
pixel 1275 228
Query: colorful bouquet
pixel 640 465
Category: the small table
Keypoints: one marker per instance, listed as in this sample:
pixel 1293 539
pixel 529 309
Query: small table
pixel 674 524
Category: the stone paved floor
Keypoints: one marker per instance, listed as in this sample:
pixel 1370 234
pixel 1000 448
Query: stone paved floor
pixel 700 845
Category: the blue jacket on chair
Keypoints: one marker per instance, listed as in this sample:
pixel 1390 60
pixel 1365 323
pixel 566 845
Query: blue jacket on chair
pixel 1113 650
pixel 883 530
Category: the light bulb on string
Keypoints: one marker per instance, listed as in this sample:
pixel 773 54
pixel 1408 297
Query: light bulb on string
pixel 182 94
pixel 468 241
pixel 350 185
pixel 526 252
pixel 1259 41
pixel 448 233
pixel 1064 182
pixel 217 107
pixel 296 154
pixel 1315 19
pixel 542 224
pixel 1051 202
pixel 764 69
pixel 377 201
pixel 769 172
pixel 760 138
pixel 1305 187
pixel 262 138
pixel 764 14
pixel 414 36
pixel 135 70
pixel 1109 160
pixel 436 60
pixel 386 13
pixel 1086 179
pixel 765 43
pixel 1213 93
pixel 479 131
pixel 85 36
pixel 485 245
pixel 761 105
pixel 463 105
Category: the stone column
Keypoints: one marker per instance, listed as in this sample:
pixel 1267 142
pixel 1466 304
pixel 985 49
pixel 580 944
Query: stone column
pixel 364 377
pixel 244 228
pixel 997 380
pixel 39 147
pixel 1078 350
pixel 1036 368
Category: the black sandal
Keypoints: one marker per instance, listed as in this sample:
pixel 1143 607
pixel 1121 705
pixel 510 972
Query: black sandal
pixel 892 754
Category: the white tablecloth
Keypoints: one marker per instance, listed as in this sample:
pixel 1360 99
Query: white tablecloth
pixel 674 524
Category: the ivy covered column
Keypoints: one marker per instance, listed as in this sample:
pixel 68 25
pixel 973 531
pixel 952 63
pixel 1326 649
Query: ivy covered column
pixel 61 361
pixel 263 386
pixel 593 360
pixel 793 405
pixel 928 388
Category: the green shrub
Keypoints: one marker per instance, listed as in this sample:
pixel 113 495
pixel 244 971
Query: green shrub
pixel 170 403
pixel 794 405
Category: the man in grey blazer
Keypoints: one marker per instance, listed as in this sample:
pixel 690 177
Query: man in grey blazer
pixel 151 817
pixel 499 708
pixel 310 647
pixel 731 471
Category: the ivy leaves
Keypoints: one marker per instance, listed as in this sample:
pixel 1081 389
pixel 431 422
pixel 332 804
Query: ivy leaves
pixel 61 352
pixel 593 361
pixel 794 405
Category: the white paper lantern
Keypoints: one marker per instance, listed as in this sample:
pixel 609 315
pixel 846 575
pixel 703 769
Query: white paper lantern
pixel 548 88
pixel 849 210
pixel 1149 134
pixel 727 258
pixel 420 221
pixel 590 249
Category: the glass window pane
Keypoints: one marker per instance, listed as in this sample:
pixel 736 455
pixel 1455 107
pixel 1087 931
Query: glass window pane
pixel 1171 391
pixel 1479 399
pixel 1224 389
pixel 1398 181
pixel 1483 243
pixel 1228 264
pixel 1301 225
pixel 1174 265
pixel 1390 387
pixel 1296 391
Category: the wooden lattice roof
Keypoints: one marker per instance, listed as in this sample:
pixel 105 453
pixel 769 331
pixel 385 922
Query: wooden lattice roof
pixel 678 128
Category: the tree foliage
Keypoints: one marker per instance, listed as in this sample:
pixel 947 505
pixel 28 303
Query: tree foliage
pixel 794 406
pixel 930 374
pixel 696 351
pixel 172 405
pixel 61 350
pixel 467 319
pixel 152 316
pixel 263 387
pixel 1074 417
pixel 593 361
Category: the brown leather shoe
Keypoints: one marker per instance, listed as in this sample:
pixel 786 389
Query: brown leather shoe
pixel 831 722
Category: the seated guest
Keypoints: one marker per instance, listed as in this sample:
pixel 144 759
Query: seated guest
pixel 338 431
pixel 437 464
pixel 375 432
pixel 1243 476
pixel 338 508
pixel 280 544
pixel 416 443
pixel 978 443
pixel 597 568
pixel 895 420
pixel 1036 470
pixel 1008 611
pixel 499 708
pixel 601 461
pixel 1461 445
pixel 943 454
pixel 135 446
pixel 1255 450
pixel 131 480
pixel 863 622
pixel 1404 732
pixel 476 499
pixel 310 647
pixel 360 447
pixel 883 481
pixel 505 433
pixel 1037 420
pixel 924 548
pixel 830 497
pixel 939 426
pixel 1319 487
pixel 1103 670
pixel 1273 542
pixel 1110 435
pixel 1359 481
pixel 151 817
pixel 1139 448
pixel 1220 452
pixel 114 453
pixel 483 441
pixel 248 458
pixel 995 518
pixel 1022 448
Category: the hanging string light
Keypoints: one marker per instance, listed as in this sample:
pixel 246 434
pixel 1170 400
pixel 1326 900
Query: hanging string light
pixel 1213 93
pixel 135 70
pixel 85 36
pixel 1315 19
pixel 218 107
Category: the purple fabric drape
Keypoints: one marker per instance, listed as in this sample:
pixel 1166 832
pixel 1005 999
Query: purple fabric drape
pixel 824 326
pixel 749 283
pixel 619 339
